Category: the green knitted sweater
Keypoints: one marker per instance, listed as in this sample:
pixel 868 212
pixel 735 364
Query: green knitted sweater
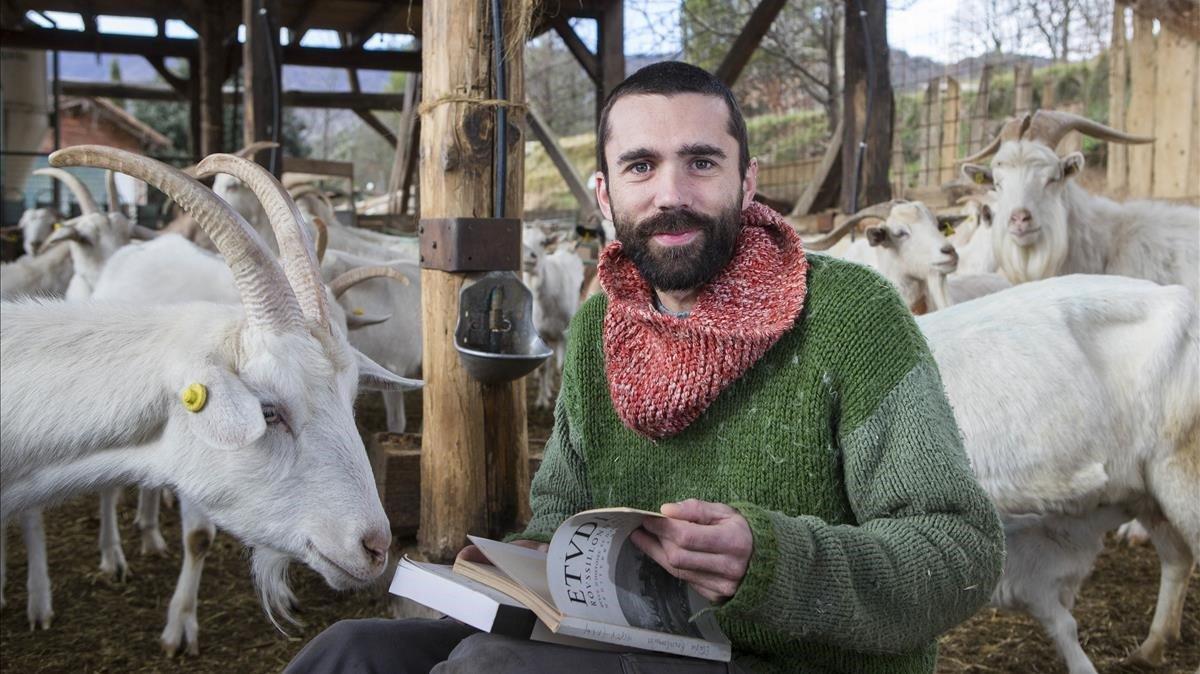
pixel 871 536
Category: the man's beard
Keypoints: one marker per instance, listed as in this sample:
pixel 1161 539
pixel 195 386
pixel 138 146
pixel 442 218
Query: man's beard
pixel 687 266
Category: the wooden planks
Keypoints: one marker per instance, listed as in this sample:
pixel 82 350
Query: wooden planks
pixel 1140 115
pixel 1174 109
pixel 1118 78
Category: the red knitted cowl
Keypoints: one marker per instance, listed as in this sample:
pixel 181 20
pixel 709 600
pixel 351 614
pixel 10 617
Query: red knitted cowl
pixel 663 372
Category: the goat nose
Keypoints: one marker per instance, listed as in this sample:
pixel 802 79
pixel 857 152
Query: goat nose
pixel 948 249
pixel 376 543
pixel 1021 216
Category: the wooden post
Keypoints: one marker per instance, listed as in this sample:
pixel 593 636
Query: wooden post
pixel 1118 76
pixel 899 179
pixel 1175 136
pixel 1141 113
pixel 951 112
pixel 979 111
pixel 875 133
pixel 474 463
pixel 1022 88
pixel 262 73
pixel 211 77
pixel 610 51
pixel 195 109
pixel 402 168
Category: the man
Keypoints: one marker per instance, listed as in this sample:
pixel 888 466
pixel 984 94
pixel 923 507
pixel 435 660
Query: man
pixel 782 410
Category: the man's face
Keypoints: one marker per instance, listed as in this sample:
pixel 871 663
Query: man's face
pixel 673 191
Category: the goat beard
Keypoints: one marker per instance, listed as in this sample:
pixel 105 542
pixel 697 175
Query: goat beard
pixel 270 570
pixel 1042 259
pixel 681 267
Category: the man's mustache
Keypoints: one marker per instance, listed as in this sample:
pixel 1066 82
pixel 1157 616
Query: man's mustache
pixel 673 222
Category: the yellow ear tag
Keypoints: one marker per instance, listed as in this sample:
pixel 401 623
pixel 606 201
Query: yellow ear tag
pixel 949 231
pixel 194 397
pixel 57 226
pixel 358 311
pixel 980 179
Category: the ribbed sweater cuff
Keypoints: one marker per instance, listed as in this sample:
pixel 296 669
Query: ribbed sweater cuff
pixel 760 572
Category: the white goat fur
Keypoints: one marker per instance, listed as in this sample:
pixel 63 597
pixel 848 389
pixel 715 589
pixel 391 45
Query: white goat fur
pixel 36 224
pixel 1098 419
pixel 1081 232
pixel 556 280
pixel 45 275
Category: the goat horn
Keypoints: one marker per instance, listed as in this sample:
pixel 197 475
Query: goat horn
pixel 305 189
pixel 347 280
pixel 263 288
pixel 64 233
pixel 877 211
pixel 110 189
pixel 355 321
pixel 296 250
pixel 1011 130
pixel 83 195
pixel 1049 126
pixel 254 148
pixel 322 237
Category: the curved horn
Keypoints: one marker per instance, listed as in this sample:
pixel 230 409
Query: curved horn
pixel 266 297
pixel 1049 126
pixel 110 188
pixel 877 211
pixel 305 189
pixel 83 195
pixel 1011 130
pixel 254 148
pixel 295 248
pixel 355 321
pixel 347 280
pixel 318 224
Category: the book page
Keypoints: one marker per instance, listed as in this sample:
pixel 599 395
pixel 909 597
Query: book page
pixel 595 573
pixel 526 566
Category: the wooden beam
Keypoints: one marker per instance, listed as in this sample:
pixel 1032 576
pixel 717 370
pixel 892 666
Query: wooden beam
pixel 1118 82
pixel 292 54
pixel 299 26
pixel 340 169
pixel 610 42
pixel 211 77
pixel 377 124
pixel 578 49
pixel 1023 88
pixel 262 78
pixel 585 198
pixel 875 134
pixel 822 192
pixel 370 25
pixel 1140 116
pixel 179 84
pixel 979 111
pixel 474 468
pixel 291 99
pixel 951 113
pixel 747 41
pixel 404 159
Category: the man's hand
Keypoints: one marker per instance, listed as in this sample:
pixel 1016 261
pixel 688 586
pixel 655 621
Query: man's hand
pixel 706 544
pixel 471 553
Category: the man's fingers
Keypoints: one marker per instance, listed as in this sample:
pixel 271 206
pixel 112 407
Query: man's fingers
pixel 714 538
pixel 695 510
pixel 711 586
pixel 472 554
pixel 720 566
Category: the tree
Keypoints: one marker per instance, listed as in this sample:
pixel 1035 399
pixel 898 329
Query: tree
pixel 796 63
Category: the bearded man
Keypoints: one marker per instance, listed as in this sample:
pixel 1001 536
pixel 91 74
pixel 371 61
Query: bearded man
pixel 782 410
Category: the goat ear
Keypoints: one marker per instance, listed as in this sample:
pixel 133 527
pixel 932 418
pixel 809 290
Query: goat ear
pixel 876 235
pixel 374 377
pixel 1071 164
pixel 230 417
pixel 980 175
pixel 985 215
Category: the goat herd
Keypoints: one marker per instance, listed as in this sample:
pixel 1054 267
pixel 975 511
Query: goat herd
pixel 1065 326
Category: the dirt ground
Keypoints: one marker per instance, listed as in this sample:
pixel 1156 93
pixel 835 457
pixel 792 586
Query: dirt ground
pixel 104 626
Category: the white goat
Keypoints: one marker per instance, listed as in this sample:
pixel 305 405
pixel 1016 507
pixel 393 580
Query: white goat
pixel 36 224
pixel 45 275
pixel 1046 225
pixel 1077 402
pixel 265 422
pixel 555 278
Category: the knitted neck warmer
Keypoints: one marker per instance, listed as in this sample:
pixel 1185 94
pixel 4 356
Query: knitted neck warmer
pixel 663 372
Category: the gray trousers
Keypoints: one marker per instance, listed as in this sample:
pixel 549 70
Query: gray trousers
pixel 378 646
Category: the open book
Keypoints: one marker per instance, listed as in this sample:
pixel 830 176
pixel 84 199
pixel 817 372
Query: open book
pixel 593 585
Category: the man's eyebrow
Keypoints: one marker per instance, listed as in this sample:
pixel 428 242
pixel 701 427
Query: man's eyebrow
pixel 637 154
pixel 701 150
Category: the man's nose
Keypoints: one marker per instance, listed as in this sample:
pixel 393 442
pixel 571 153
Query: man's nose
pixel 671 189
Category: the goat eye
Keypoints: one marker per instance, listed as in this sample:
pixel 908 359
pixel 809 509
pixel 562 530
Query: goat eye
pixel 272 415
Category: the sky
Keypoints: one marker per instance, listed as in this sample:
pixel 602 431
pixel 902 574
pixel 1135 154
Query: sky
pixel 921 29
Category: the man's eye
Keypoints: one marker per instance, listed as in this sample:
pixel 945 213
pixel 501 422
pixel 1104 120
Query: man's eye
pixel 640 167
pixel 703 164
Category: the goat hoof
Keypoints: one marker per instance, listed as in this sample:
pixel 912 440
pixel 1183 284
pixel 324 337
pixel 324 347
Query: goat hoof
pixel 1145 657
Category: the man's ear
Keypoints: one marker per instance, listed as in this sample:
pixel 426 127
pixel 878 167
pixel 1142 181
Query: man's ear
pixel 980 175
pixel 750 183
pixel 221 411
pixel 1071 164
pixel 877 235
pixel 602 196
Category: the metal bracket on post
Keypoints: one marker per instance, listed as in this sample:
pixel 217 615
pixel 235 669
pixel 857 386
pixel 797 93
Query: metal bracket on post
pixel 470 244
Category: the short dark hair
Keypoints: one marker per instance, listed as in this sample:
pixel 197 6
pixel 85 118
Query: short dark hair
pixel 675 77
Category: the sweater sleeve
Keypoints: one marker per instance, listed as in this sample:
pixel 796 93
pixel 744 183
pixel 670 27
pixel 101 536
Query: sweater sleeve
pixel 927 548
pixel 559 488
